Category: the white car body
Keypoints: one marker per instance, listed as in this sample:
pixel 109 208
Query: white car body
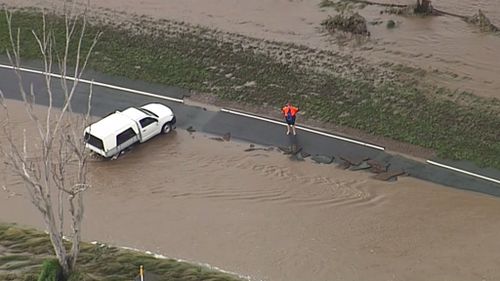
pixel 121 129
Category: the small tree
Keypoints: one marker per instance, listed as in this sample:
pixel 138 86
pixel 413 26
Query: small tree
pixel 58 165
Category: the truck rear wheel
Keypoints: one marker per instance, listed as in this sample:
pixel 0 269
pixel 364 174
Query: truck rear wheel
pixel 167 128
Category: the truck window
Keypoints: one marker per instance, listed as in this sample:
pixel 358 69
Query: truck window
pixel 125 136
pixel 147 121
pixel 94 141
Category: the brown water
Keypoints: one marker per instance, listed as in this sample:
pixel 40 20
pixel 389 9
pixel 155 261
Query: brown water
pixel 444 43
pixel 460 56
pixel 259 214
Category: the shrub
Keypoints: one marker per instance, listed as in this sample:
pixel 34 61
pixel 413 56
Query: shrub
pixel 51 271
pixel 354 23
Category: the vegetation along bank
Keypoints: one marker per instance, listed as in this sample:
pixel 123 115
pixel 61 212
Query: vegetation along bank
pixel 25 253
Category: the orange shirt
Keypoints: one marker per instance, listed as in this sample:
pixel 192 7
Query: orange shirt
pixel 292 109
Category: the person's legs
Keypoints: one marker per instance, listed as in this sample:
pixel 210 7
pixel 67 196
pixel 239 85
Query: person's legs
pixel 288 124
pixel 293 126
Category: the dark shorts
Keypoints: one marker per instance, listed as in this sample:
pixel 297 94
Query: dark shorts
pixel 290 121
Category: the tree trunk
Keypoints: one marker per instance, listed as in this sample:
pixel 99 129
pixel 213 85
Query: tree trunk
pixel 57 242
pixel 426 4
pixel 423 7
pixel 76 211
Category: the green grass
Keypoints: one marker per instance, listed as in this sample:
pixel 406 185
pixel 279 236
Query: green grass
pixel 400 110
pixel 51 271
pixel 95 263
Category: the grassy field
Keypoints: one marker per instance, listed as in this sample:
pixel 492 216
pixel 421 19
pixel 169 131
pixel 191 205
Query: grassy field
pixel 456 126
pixel 22 252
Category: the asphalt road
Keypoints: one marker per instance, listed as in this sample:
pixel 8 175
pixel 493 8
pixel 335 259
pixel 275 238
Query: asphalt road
pixel 106 100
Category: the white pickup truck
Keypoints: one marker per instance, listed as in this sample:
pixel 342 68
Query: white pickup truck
pixel 121 129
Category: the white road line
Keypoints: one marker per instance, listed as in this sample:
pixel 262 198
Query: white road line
pixel 304 129
pixel 463 171
pixel 142 93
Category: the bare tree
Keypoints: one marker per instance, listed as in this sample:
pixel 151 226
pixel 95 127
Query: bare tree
pixel 53 164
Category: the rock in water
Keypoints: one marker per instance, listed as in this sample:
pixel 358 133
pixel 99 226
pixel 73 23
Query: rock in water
pixel 363 166
pixel 322 159
pixel 391 24
pixel 191 129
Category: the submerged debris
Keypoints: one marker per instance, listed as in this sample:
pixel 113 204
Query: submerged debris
pixel 225 137
pixel 341 5
pixel 304 154
pixel 190 129
pixel 484 23
pixel 296 157
pixel 389 176
pixel 355 161
pixel 285 150
pixel 344 165
pixel 293 149
pixel 352 23
pixel 377 167
pixel 400 11
pixel 259 148
pixel 423 7
pixel 356 24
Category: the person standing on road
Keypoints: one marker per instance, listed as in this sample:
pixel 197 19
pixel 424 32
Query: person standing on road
pixel 290 113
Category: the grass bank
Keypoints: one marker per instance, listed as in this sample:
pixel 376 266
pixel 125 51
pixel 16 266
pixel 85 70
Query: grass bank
pixel 22 252
pixel 347 93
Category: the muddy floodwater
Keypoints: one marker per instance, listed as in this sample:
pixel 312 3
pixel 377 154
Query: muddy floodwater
pixel 261 215
pixel 457 54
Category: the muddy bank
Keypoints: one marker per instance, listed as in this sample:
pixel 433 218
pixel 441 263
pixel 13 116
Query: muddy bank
pixel 452 52
pixel 259 214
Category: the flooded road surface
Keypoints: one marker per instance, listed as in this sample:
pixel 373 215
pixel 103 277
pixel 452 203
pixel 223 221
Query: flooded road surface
pixel 259 214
